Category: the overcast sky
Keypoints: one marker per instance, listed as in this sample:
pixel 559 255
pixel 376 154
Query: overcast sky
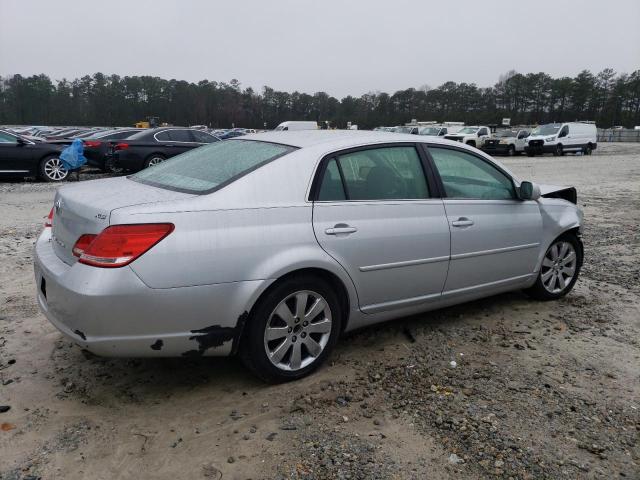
pixel 339 46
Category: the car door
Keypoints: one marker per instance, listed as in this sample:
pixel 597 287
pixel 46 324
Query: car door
pixel 14 157
pixel 375 213
pixel 521 140
pixel 495 237
pixel 180 141
pixel 483 134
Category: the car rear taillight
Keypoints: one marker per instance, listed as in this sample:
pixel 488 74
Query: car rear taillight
pixel 49 220
pixel 83 242
pixel 121 146
pixel 92 143
pixel 119 245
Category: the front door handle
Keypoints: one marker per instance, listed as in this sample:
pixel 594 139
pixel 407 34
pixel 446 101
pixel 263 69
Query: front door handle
pixel 340 228
pixel 462 222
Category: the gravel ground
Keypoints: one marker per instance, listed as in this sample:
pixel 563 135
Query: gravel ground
pixel 539 390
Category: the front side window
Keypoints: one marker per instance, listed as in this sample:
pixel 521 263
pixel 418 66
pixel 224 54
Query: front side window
pixel 205 169
pixel 375 174
pixel 467 176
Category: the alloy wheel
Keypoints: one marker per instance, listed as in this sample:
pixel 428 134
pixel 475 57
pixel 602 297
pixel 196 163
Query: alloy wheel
pixel 54 169
pixel 298 330
pixel 155 161
pixel 558 267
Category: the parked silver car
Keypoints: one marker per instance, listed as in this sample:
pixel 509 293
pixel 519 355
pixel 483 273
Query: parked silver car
pixel 272 245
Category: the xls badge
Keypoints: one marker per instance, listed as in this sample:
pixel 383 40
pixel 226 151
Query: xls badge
pixel 58 206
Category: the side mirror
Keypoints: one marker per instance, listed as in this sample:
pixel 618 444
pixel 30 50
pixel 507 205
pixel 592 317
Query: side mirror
pixel 442 133
pixel 529 191
pixel 20 141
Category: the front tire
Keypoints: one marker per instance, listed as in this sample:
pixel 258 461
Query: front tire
pixel 51 169
pixel 558 151
pixel 292 329
pixel 559 270
pixel 511 151
pixel 588 149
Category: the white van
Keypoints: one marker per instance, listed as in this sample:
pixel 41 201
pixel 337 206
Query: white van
pixel 296 125
pixel 560 138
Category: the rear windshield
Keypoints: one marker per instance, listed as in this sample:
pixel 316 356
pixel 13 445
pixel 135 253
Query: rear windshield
pixel 206 169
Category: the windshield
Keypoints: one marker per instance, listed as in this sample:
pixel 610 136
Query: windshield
pixel 550 129
pixel 506 133
pixel 403 129
pixel 279 128
pixel 469 130
pixel 429 131
pixel 205 169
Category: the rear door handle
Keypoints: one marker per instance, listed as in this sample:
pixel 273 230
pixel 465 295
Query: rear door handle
pixel 462 222
pixel 340 228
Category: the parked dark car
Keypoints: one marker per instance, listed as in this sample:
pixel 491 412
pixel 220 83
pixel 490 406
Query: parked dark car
pixel 155 145
pixel 20 157
pixel 97 146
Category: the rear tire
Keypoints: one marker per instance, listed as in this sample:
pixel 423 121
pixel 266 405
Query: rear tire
pixel 52 170
pixel 511 151
pixel 530 154
pixel 588 149
pixel 471 143
pixel 153 160
pixel 279 349
pixel 559 270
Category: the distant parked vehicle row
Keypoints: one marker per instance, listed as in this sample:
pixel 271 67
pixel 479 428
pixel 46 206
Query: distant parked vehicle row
pixel 472 135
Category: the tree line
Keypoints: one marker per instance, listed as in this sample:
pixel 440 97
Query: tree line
pixel 608 98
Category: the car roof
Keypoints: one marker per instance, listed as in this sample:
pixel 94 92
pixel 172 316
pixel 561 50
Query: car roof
pixel 337 138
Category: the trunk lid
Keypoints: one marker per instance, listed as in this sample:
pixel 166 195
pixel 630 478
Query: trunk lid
pixel 86 208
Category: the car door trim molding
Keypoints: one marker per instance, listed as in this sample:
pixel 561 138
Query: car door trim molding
pixel 14 171
pixel 497 283
pixel 494 250
pixel 405 302
pixel 406 263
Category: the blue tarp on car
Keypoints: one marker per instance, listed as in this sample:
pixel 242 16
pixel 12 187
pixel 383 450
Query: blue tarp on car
pixel 73 157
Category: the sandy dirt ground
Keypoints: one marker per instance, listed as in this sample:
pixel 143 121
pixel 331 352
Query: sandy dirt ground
pixel 540 390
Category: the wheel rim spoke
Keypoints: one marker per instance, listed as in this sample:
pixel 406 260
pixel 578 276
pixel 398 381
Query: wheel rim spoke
pixel 547 262
pixel 569 258
pixel 569 271
pixel 296 356
pixel 274 333
pixel 314 347
pixel 301 304
pixel 315 309
pixel 279 353
pixel 545 276
pixel 323 326
pixel 285 314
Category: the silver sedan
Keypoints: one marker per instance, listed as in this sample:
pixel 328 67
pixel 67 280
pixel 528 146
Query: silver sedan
pixel 272 245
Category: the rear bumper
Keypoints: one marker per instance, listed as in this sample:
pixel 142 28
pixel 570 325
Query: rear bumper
pixel 111 312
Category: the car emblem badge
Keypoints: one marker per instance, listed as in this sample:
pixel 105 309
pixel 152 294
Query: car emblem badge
pixel 58 206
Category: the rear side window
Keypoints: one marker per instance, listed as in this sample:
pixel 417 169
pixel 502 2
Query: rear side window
pixel 375 174
pixel 467 176
pixel 203 137
pixel 208 168
pixel 163 136
pixel 180 135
